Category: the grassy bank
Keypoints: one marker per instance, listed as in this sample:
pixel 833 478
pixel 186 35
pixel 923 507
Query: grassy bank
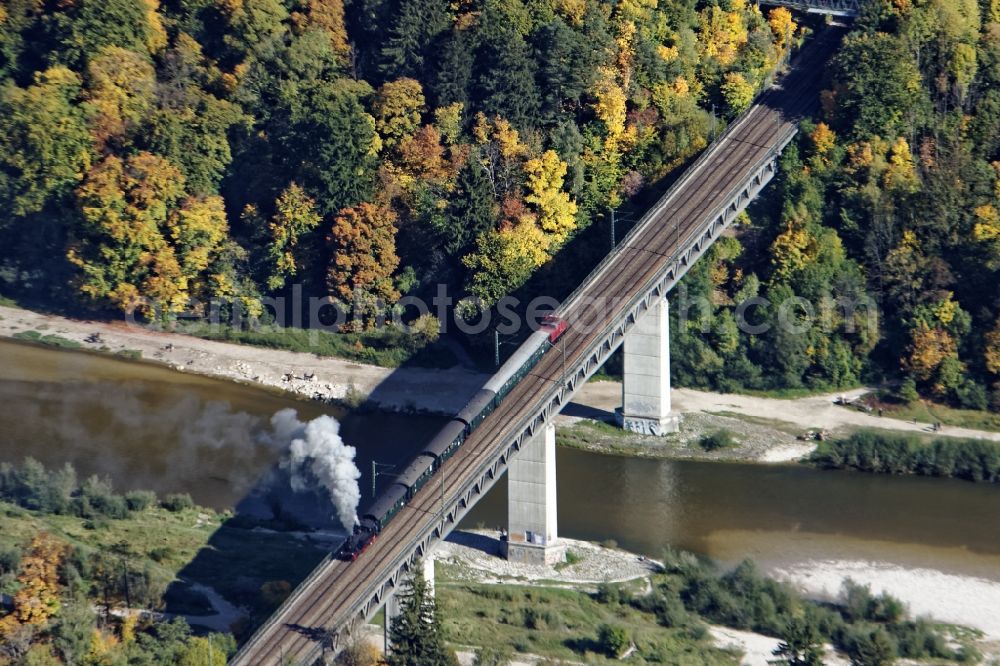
pixel 666 618
pixel 166 543
pixel 923 411
pixel 885 453
pixel 388 346
pixel 564 624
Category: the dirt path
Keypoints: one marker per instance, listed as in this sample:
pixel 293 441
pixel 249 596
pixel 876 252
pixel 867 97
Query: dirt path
pixel 599 400
pixel 419 389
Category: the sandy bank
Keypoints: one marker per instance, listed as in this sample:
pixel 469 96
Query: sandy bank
pixel 945 597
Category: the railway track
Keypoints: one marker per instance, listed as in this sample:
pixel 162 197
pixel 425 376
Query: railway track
pixel 331 595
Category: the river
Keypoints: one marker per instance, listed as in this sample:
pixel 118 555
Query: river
pixel 777 515
pixel 150 427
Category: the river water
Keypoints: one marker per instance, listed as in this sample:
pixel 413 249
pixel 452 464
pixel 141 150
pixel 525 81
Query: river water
pixel 778 515
pixel 147 426
pixel 150 427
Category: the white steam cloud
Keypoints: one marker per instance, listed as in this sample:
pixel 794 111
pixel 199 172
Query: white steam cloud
pixel 316 453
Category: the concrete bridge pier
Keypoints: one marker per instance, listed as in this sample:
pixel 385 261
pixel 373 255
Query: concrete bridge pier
pixel 646 381
pixel 392 604
pixel 532 534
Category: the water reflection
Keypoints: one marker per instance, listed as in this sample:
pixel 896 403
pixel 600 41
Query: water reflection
pixel 147 426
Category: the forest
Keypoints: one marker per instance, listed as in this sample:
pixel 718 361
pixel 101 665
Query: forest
pixel 160 154
pixel 889 197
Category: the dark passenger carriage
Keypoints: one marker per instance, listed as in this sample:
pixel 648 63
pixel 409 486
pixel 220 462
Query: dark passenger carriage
pixel 446 442
pixel 451 436
pixel 416 473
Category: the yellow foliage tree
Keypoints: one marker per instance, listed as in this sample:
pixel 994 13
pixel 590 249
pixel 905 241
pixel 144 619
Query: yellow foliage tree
pixel 505 258
pixel 723 33
pixel 37 599
pixel 782 25
pixel 573 11
pixel 610 105
pixel 900 173
pixel 327 15
pixel 156 41
pixel 142 237
pixel 398 108
pixel 448 121
pixel 987 231
pixel 928 348
pixel 556 210
pixel 500 151
pixel 737 91
pixel 824 139
pixel 121 90
pixel 794 247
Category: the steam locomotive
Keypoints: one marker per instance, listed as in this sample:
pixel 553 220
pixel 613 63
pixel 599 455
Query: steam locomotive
pixel 446 442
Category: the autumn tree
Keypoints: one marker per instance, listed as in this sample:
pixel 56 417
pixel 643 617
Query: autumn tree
pixel 37 598
pixel 295 215
pixel 398 108
pixel 556 211
pixel 327 15
pixel 363 257
pixel 141 237
pixel 505 258
pixel 121 85
pixel 737 92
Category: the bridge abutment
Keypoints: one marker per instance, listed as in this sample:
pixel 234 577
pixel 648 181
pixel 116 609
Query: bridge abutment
pixel 532 533
pixel 646 378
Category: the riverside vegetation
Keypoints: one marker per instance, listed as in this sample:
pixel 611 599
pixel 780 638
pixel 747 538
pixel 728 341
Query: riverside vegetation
pixel 885 453
pixel 667 622
pixel 86 569
pixel 109 552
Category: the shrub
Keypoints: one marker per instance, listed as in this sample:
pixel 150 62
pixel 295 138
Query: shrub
pixel 177 502
pixel 666 605
pixel 870 645
pixel 869 451
pixel 359 652
pixel 714 441
pixel 161 554
pixel 140 500
pixel 907 391
pixel 492 656
pixel 612 641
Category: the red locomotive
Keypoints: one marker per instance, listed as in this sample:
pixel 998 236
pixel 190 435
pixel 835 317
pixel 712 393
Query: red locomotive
pixel 555 326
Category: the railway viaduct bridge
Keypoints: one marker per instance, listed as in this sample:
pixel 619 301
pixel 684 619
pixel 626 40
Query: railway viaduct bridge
pixel 622 302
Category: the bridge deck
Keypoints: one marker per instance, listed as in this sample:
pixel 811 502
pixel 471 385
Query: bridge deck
pixel 333 594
